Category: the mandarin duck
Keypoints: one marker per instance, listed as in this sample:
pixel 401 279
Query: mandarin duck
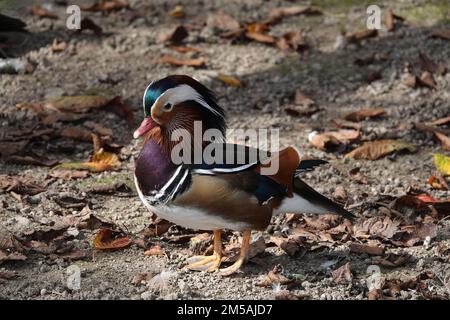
pixel 214 195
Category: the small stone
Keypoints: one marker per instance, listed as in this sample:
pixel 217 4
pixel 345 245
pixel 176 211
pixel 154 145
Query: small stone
pixel 43 292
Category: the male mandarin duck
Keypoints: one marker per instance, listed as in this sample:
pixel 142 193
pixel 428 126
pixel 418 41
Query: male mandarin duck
pixel 219 195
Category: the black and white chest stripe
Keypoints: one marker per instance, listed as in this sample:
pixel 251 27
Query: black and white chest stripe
pixel 177 184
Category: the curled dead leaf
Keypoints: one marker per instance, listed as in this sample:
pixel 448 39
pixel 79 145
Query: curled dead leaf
pixel 342 275
pixel 364 114
pixel 100 161
pixel 167 59
pixel 106 5
pixel 155 251
pixel 109 239
pixel 376 149
pixel 176 35
pixel 229 80
pixel 177 12
pixel 222 21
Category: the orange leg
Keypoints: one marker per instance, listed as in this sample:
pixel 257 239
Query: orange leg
pixel 209 263
pixel 242 256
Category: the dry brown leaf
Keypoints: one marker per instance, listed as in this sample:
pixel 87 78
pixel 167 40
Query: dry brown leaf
pixel 392 260
pixel 341 123
pixel 427 65
pixel 275 15
pixel 342 275
pixel 200 244
pixel 6 274
pixel 20 185
pixel 167 59
pixel 260 37
pixel 222 21
pixel 439 122
pixel 106 5
pixel 110 239
pixel 177 12
pixel 291 40
pixel 289 246
pixel 275 277
pixel 372 250
pixel 76 133
pixel 360 35
pixel 377 149
pixel 175 36
pixel 410 80
pixel 289 295
pixel 330 140
pixel 442 34
pixel 364 114
pixel 229 80
pixel 302 99
pixel 233 250
pixel 42 12
pixel 389 20
pixel 76 104
pixel 100 161
pixel 59 46
pixel 438 183
pixel 426 79
pixel 31 160
pixel 258 27
pixel 155 251
pixel 157 228
pixel 376 226
pixel 445 141
pixel 184 49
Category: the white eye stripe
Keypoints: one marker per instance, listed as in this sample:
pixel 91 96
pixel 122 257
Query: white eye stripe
pixel 182 93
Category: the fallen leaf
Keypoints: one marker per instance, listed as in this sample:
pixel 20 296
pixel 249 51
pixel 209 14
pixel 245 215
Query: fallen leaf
pixel 340 123
pixel 155 251
pixel 184 49
pixel 438 183
pixel 275 15
pixel 440 121
pixel 377 149
pixel 175 36
pixel 442 34
pixel 43 12
pixel 258 27
pixel 343 274
pixel 31 160
pixel 222 21
pixel 89 24
pixel 427 65
pixel 364 114
pixel 275 277
pixel 71 202
pixel 340 195
pixel 442 163
pixel 177 12
pixel 58 46
pixel 229 80
pixel 301 111
pixel 167 59
pixel 289 246
pixel 375 294
pixel 410 80
pixel 291 40
pixel 157 228
pixel 445 141
pixel 110 239
pixel 143 278
pixel 76 133
pixel 20 185
pixel 372 250
pixel 363 34
pixel 330 140
pixel 302 99
pixel 260 37
pixel 106 5
pixel 6 274
pixel 426 80
pixel 200 243
pixel 389 20
pixel 385 228
pixel 233 250
pixel 8 148
pixel 100 161
pixel 392 260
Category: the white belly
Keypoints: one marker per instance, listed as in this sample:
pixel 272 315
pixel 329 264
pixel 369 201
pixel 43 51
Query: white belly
pixel 192 218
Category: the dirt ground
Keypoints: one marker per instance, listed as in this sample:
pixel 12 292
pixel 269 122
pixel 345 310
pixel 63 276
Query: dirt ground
pixel 121 61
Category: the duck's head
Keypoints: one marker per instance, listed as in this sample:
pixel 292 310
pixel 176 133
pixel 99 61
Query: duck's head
pixel 176 102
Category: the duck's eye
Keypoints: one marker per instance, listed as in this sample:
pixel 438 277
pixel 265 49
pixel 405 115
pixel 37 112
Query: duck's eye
pixel 167 107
